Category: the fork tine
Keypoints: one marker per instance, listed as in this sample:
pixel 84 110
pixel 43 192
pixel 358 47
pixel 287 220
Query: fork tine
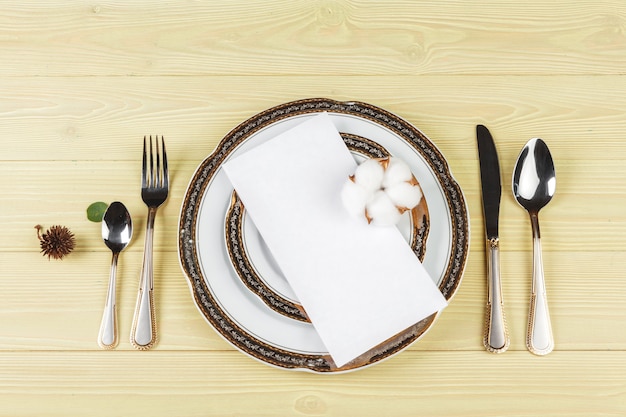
pixel 144 166
pixel 154 176
pixel 157 172
pixel 151 182
pixel 166 177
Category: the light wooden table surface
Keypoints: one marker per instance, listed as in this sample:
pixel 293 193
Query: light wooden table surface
pixel 82 82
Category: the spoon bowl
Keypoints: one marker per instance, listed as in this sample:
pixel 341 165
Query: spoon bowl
pixel 534 185
pixel 117 230
pixel 117 227
pixel 534 178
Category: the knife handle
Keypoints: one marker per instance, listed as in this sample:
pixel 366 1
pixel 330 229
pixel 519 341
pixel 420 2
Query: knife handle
pixel 496 339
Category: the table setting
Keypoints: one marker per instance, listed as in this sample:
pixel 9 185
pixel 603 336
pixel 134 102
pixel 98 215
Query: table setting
pixel 312 209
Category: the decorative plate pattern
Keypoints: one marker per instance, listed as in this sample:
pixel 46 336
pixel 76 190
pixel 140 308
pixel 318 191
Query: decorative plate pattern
pixel 254 280
pixel 246 322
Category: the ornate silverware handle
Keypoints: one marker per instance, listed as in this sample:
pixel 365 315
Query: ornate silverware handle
pixel 107 336
pixel 539 339
pixel 143 335
pixel 496 338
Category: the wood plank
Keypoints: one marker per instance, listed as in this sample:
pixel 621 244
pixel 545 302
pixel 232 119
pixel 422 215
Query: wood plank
pixel 50 118
pixel 41 300
pixel 222 383
pixel 301 37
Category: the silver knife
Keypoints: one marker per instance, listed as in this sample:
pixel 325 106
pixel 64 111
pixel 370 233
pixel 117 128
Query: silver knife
pixel 496 338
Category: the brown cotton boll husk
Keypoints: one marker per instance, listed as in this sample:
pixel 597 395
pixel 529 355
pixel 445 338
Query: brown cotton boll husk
pixel 56 242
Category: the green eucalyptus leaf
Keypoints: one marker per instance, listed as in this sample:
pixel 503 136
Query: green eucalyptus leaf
pixel 96 210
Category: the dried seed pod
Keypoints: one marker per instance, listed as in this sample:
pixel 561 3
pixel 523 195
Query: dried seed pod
pixel 56 242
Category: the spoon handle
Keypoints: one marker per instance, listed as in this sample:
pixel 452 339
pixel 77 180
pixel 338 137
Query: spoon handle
pixel 143 334
pixel 496 339
pixel 107 336
pixel 539 339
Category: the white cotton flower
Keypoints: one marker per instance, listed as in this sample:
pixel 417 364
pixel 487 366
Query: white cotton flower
pixel 397 171
pixel 380 191
pixel 404 195
pixel 381 211
pixel 354 197
pixel 369 174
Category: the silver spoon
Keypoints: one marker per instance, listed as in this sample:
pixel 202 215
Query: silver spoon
pixel 117 230
pixel 534 184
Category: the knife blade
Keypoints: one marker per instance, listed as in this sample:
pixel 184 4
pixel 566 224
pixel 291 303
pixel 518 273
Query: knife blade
pixel 496 336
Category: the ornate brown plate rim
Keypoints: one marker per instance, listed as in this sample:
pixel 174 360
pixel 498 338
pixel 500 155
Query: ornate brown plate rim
pixel 259 349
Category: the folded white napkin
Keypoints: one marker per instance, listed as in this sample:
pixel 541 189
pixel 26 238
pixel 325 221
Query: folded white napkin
pixel 359 284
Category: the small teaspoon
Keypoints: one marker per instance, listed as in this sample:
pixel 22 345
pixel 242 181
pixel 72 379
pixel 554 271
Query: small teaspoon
pixel 117 230
pixel 534 184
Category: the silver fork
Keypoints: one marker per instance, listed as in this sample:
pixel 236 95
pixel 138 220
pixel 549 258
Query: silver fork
pixel 154 190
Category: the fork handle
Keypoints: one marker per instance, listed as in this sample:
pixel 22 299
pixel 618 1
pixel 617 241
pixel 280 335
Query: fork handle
pixel 143 334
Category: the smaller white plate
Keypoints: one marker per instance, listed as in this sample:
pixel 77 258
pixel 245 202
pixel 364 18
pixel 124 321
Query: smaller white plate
pixel 255 265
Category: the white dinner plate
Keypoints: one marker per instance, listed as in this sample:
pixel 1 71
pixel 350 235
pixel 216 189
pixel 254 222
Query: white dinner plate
pixel 243 318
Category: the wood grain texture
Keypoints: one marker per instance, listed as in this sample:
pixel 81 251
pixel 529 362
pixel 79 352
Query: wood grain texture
pixel 198 384
pixel 74 118
pixel 82 83
pixel 330 37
